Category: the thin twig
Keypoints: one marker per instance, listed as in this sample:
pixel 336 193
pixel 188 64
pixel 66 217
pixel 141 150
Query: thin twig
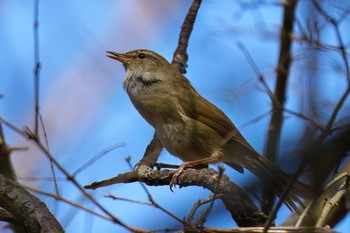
pixel 48 148
pixel 60 198
pixel 336 179
pixel 343 53
pixel 257 71
pixel 74 181
pixel 195 207
pixel 342 46
pixel 304 214
pixel 13 127
pixel 254 120
pixel 37 66
pixel 211 199
pixel 96 157
pixel 113 197
pixel 151 199
pixel 27 133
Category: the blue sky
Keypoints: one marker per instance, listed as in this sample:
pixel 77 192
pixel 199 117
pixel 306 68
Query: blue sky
pixel 85 109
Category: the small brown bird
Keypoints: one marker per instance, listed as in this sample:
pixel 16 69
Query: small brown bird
pixel 192 128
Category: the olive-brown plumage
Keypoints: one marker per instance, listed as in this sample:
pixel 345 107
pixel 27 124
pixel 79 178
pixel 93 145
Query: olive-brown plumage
pixel 189 126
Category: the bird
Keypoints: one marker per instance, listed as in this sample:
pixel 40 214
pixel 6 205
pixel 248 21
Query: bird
pixel 192 128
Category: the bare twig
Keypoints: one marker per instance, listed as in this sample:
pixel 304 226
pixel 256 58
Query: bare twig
pixel 343 53
pixel 195 207
pixel 254 120
pixel 37 66
pixel 201 219
pixel 199 223
pixel 305 118
pixel 65 200
pixel 150 203
pixel 13 127
pixel 151 199
pixel 180 56
pixel 48 148
pixel 304 214
pixel 336 179
pixel 275 127
pixel 96 157
pixel 257 71
pixel 261 78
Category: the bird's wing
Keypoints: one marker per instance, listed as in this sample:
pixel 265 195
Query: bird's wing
pixel 200 109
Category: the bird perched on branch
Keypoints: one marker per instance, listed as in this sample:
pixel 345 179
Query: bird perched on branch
pixel 192 128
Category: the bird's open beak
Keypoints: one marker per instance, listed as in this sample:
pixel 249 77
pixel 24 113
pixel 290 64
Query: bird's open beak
pixel 117 56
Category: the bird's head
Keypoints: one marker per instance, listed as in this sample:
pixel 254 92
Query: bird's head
pixel 140 60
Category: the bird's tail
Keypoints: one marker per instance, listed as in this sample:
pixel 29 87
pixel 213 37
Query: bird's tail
pixel 277 179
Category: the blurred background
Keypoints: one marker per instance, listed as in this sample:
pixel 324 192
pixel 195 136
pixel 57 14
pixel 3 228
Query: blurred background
pixel 85 109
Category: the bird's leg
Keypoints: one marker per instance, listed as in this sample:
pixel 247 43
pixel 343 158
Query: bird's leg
pixel 151 154
pixel 215 157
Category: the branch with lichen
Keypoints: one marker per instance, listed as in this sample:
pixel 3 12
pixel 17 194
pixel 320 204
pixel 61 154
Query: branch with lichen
pixel 242 209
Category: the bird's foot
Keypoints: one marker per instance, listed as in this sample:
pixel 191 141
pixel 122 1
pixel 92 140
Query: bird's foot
pixel 175 179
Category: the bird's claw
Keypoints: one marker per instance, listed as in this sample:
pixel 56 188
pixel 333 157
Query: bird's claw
pixel 175 178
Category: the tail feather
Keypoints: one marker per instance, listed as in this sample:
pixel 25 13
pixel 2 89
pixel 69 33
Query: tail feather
pixel 277 179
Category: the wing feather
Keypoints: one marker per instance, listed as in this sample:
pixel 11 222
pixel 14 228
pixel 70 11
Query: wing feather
pixel 200 109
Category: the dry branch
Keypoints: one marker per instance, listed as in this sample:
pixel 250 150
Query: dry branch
pixel 283 68
pixel 242 209
pixel 29 210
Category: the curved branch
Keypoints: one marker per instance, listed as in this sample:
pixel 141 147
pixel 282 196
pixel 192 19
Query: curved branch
pixel 242 209
pixel 29 210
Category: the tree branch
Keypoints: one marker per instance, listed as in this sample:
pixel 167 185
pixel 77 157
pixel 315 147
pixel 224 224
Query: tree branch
pixel 29 210
pixel 180 56
pixel 283 68
pixel 242 209
pixel 6 167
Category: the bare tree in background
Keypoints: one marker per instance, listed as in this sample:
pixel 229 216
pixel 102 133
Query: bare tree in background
pixel 313 35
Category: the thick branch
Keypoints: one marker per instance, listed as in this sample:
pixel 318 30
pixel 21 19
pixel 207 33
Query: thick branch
pixel 8 217
pixel 283 69
pixel 180 56
pixel 29 210
pixel 242 209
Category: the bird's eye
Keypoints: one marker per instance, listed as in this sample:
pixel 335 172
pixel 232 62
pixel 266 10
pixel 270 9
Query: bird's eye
pixel 141 55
